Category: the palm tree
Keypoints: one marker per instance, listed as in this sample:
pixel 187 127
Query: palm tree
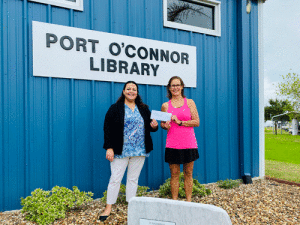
pixel 176 11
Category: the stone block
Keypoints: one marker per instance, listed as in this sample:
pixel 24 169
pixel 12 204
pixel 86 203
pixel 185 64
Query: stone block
pixel 159 211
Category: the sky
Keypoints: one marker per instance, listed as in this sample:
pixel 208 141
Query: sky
pixel 281 33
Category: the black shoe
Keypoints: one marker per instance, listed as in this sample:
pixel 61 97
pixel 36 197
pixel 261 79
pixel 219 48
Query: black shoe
pixel 103 218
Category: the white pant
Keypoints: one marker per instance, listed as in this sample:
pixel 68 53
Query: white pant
pixel 118 167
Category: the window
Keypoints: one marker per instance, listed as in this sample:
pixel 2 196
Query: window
pixel 71 4
pixel 202 16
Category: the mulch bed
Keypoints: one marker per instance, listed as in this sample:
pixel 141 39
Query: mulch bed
pixel 263 202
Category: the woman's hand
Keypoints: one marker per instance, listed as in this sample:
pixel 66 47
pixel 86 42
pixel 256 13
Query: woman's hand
pixel 167 125
pixel 175 119
pixel 154 124
pixel 110 154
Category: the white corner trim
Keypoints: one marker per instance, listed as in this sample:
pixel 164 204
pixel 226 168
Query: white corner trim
pixel 261 91
pixel 78 5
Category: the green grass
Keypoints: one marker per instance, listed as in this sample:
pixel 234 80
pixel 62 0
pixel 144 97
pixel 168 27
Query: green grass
pixel 283 170
pixel 282 147
pixel 282 155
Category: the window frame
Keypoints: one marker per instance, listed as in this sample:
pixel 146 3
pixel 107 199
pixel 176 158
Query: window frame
pixel 180 26
pixel 78 5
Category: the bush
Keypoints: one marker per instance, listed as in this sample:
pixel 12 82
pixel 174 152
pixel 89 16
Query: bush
pixel 142 190
pixel 228 184
pixel 44 207
pixel 198 189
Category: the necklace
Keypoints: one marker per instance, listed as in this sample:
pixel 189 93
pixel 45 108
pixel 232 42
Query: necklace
pixel 177 103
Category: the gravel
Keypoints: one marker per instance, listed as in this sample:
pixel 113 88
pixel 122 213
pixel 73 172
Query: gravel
pixel 263 202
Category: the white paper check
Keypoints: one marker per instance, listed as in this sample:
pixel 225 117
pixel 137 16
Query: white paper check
pixel 159 115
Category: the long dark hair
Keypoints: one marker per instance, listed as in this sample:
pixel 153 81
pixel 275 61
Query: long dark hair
pixel 169 94
pixel 138 100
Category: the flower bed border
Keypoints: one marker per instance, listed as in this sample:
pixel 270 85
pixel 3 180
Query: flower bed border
pixel 282 181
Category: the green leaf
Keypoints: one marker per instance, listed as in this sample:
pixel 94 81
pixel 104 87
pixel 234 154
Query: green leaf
pixel 44 207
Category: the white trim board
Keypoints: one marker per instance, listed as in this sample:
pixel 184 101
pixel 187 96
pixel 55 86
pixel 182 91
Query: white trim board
pixel 261 91
pixel 78 5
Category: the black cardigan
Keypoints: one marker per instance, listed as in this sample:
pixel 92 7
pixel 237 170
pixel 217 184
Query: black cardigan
pixel 114 128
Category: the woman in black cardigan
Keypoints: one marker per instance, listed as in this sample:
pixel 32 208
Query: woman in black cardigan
pixel 127 141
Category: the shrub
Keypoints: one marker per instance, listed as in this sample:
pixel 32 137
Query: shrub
pixel 44 207
pixel 198 189
pixel 142 190
pixel 228 184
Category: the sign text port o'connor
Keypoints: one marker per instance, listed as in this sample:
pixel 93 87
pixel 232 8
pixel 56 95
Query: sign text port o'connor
pixel 68 52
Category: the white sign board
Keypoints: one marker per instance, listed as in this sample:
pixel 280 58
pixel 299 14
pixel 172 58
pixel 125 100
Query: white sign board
pixel 68 52
pixel 154 222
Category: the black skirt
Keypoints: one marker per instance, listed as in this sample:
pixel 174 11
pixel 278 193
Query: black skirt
pixel 181 156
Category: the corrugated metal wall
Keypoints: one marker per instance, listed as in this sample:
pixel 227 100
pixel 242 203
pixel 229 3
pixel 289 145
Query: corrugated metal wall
pixel 51 130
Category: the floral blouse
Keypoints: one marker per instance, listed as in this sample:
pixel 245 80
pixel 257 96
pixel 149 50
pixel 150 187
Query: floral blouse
pixel 134 134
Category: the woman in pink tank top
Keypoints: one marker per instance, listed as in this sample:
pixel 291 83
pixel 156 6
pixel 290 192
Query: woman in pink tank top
pixel 181 143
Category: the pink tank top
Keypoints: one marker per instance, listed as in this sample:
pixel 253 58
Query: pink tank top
pixel 181 137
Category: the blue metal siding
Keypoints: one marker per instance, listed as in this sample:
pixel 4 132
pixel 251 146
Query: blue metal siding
pixel 51 130
pixel 247 94
pixel 2 200
pixel 255 92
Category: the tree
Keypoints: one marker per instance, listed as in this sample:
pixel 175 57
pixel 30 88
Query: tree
pixel 178 11
pixel 278 107
pixel 290 88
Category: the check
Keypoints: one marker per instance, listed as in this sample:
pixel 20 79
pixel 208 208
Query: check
pixel 158 115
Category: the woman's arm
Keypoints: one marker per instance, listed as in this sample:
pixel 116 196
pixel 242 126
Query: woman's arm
pixel 153 125
pixel 108 128
pixel 165 124
pixel 195 121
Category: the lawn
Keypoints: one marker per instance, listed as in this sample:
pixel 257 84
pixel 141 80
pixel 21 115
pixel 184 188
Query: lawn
pixel 282 155
pixel 283 170
pixel 282 147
